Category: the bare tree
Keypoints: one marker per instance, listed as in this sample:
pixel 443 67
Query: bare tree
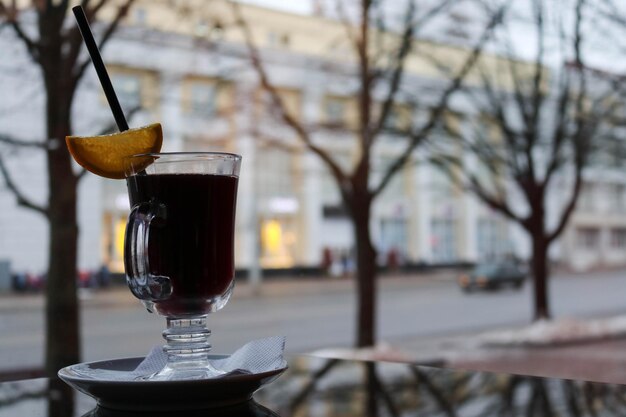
pixel 54 46
pixel 357 188
pixel 536 123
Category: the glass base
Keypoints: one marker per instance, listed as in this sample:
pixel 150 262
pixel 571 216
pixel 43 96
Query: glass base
pixel 187 350
pixel 186 371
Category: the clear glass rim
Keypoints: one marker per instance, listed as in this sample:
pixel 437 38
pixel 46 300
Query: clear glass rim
pixel 138 163
pixel 223 155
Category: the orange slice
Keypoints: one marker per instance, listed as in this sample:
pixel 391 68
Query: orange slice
pixel 104 155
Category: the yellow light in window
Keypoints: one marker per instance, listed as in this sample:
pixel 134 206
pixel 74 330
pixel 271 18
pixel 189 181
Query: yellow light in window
pixel 120 231
pixel 272 236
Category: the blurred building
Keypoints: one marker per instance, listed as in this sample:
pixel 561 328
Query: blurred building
pixel 187 67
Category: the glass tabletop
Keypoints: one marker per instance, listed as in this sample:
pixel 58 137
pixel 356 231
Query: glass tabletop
pixel 323 387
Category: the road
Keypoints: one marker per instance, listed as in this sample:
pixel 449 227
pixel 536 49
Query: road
pixel 312 314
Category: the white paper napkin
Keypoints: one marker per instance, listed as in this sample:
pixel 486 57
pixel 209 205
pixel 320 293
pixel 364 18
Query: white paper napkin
pixel 257 356
pixel 254 357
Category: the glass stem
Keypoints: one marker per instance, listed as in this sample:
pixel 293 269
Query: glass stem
pixel 187 350
pixel 186 340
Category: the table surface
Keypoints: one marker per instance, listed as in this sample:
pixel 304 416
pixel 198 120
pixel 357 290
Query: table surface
pixel 321 387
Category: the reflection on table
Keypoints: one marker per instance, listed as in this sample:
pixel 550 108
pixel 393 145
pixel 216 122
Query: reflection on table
pixel 330 387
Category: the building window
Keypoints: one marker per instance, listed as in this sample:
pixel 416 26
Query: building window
pixel 275 175
pixel 217 32
pixel 587 237
pixel 399 118
pixel 267 109
pixel 278 242
pixel 394 235
pixel 202 29
pixel 586 201
pixel 441 185
pixel 617 203
pixel 329 188
pixel 335 111
pixel 140 15
pixel 443 240
pixel 399 183
pixel 459 18
pixel 618 238
pixel 490 244
pixel 275 39
pixel 128 89
pixel 203 99
pixel 392 122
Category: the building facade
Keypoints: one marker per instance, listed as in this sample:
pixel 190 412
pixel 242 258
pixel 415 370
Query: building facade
pixel 194 77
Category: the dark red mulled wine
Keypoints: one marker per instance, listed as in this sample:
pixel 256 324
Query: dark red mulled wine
pixel 190 241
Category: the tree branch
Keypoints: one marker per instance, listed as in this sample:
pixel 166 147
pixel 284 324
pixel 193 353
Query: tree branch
pixel 22 200
pixel 488 155
pixel 442 400
pixel 384 394
pixel 398 71
pixel 613 13
pixel 343 18
pixel 122 11
pixel 537 99
pixel 273 142
pixel 93 10
pixel 11 14
pixel 367 80
pixel 529 99
pixel 434 11
pixel 583 127
pixel 581 156
pixel 278 103
pixel 495 203
pixel 558 138
pixel 569 208
pixel 519 158
pixel 418 136
pixel 515 146
pixel 415 24
pixel 8 140
pixel 447 163
pixel 308 389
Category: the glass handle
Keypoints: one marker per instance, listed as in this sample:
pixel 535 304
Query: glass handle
pixel 141 281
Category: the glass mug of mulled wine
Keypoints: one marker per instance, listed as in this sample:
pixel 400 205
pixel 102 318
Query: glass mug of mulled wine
pixel 179 248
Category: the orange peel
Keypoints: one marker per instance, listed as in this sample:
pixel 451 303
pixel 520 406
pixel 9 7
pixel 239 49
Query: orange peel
pixel 104 155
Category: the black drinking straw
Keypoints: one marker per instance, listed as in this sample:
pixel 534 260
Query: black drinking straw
pixel 96 59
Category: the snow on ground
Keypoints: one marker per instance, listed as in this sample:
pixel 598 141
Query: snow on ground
pixel 544 333
pixel 555 332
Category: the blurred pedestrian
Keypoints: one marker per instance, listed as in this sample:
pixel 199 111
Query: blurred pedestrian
pixel 327 260
pixel 103 276
pixel 393 259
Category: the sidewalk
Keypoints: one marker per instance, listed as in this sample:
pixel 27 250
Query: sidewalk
pixel 273 287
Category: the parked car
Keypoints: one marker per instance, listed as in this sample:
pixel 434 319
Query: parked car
pixel 491 276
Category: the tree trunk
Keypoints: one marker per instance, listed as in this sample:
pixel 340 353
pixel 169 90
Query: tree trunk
pixel 62 313
pixel 371 390
pixel 365 271
pixel 62 310
pixel 541 275
pixel 60 399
